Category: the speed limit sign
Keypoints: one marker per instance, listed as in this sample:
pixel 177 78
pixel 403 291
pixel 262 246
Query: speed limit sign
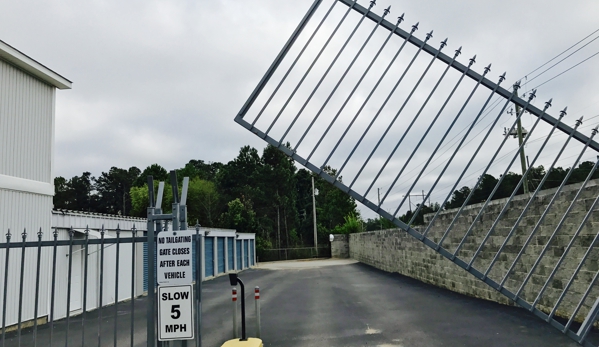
pixel 175 313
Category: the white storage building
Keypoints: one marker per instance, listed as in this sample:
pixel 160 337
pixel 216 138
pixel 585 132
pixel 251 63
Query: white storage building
pixel 27 118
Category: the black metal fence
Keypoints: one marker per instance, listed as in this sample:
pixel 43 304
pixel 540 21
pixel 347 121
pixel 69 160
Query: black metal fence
pixel 73 273
pixel 293 253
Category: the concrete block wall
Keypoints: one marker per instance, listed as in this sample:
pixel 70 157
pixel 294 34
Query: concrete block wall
pixel 340 246
pixel 396 251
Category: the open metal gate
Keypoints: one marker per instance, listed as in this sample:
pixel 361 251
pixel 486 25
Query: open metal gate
pixel 365 104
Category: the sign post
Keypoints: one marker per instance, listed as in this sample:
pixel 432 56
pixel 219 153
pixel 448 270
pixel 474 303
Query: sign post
pixel 173 265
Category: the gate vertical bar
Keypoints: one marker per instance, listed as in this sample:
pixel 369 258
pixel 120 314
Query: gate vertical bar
pixel 37 284
pixel 85 267
pixel 5 289
pixel 580 263
pixel 133 276
pixel 151 314
pixel 339 83
pixel 515 226
pixel 305 74
pixel 296 58
pixel 199 279
pixel 116 282
pixel 53 289
pixel 21 278
pixel 100 301
pixel 414 28
pixel 559 189
pixel 277 62
pixel 70 255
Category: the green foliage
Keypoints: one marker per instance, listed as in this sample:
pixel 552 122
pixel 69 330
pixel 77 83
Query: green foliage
pixel 240 216
pixel 157 172
pixel 203 202
pixel 379 223
pixel 353 224
pixel 458 198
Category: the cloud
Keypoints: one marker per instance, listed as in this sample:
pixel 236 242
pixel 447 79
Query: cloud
pixel 161 81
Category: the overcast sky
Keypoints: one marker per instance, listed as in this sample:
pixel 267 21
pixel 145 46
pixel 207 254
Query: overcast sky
pixel 161 81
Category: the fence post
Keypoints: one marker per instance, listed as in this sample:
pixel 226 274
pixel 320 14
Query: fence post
pixel 257 301
pixel 234 299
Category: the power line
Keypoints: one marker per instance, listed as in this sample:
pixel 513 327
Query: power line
pixel 563 72
pixel 569 48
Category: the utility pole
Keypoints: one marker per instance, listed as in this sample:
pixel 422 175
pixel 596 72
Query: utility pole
pixel 522 156
pixel 314 215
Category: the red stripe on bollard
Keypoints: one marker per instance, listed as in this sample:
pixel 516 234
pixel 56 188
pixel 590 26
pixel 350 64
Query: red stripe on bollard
pixel 234 294
pixel 257 293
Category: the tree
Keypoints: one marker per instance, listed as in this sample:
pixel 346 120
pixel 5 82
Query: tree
pixel 332 205
pixel 507 186
pixel 113 190
pixel 203 202
pixel 276 194
pixel 458 197
pixel 240 216
pixel 238 177
pixel 156 171
pixel 483 190
pixel 78 193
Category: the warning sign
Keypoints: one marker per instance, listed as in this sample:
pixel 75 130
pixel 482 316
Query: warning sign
pixel 173 261
pixel 175 313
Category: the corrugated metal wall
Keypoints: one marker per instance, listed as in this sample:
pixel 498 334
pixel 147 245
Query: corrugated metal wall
pixel 26 125
pixel 24 211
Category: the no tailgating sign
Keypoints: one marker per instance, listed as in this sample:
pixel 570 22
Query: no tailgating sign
pixel 175 313
pixel 173 259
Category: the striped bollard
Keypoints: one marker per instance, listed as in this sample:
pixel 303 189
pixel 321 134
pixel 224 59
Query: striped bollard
pixel 234 299
pixel 257 300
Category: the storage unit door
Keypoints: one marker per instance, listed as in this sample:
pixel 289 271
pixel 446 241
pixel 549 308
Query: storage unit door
pixel 209 258
pixel 221 254
pixel 230 254
pixel 239 259
pixel 252 252
pixel 246 253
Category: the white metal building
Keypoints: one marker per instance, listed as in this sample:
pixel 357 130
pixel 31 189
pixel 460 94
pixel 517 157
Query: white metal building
pixel 27 118
pixel 27 115
pixel 62 222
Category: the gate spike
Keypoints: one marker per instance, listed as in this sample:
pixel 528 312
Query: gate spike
pixel 472 60
pixel 415 27
pixel 24 234
pixel 458 51
pixel 8 235
pixel 487 69
pixel 533 95
pixel 400 18
pixel 579 121
pixel 387 11
pixel 443 43
pixel 548 103
pixel 502 77
pixel 516 86
pixel 563 111
pixel 372 3
pixel 40 233
pixel 429 35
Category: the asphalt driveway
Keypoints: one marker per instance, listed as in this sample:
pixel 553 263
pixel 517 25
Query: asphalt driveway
pixel 336 303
